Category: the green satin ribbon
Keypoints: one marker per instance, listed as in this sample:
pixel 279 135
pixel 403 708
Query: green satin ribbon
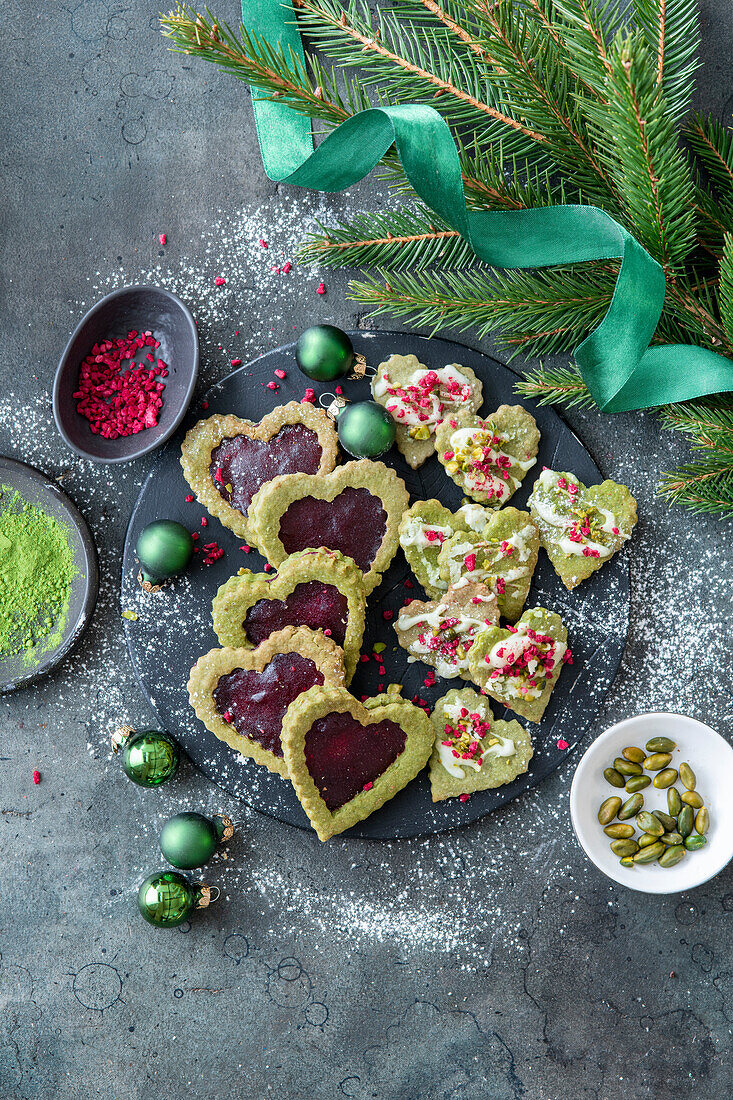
pixel 620 369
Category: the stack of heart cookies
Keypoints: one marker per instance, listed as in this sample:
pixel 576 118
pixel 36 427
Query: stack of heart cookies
pixel 277 689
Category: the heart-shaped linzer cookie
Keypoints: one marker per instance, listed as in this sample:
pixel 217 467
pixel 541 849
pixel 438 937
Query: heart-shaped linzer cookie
pixel 419 399
pixel 346 758
pixel 441 632
pixel 424 528
pixel 225 460
pixel 503 557
pixel 580 528
pixel 488 456
pixel 320 589
pixel 356 510
pixel 519 665
pixel 472 751
pixel 241 695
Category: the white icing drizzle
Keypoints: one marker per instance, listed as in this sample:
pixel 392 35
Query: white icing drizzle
pixel 504 747
pixel 414 530
pixel 479 480
pixel 475 516
pixel 405 410
pixel 460 550
pixel 446 665
pixel 576 548
pixel 511 648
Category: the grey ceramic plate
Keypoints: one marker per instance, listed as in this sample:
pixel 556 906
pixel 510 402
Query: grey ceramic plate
pixel 174 628
pixel 35 488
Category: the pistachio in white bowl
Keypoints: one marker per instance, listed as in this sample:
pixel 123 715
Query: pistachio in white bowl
pixel 711 758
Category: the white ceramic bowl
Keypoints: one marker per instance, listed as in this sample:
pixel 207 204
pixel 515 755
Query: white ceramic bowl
pixel 710 757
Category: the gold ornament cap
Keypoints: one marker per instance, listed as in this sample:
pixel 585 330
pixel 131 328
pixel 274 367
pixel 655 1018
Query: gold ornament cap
pixel 121 734
pixel 205 898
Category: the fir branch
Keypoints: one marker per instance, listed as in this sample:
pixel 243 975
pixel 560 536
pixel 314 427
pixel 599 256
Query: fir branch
pixel 394 241
pixel 531 309
pixel 556 385
pixel 712 145
pixel 671 29
pixel 638 140
pixel 405 64
pixel 725 292
pixel 706 483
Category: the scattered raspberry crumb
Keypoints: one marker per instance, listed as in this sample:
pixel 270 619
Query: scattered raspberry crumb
pixel 388 615
pixel 235 362
pixel 219 281
pixel 308 398
pixel 204 404
pixel 409 584
pixel 268 567
pixel 339 390
pixel 272 386
pixel 162 238
pixel 204 521
pixel 368 786
pixel 189 498
pixel 228 716
pixel 364 658
pixel 464 798
pixel 36 777
pixel 287 267
pixel 328 632
pixel 246 548
pixel 275 269
pixel 279 373
pixel 562 744
pixel 263 243
pixel 321 289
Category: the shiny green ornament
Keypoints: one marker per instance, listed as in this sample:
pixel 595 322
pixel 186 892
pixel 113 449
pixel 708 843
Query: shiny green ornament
pixel 149 757
pixel 164 548
pixel 365 429
pixel 166 898
pixel 324 353
pixel 189 839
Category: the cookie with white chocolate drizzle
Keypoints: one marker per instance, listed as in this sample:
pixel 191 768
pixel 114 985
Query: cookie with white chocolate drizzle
pixel 441 632
pixel 488 457
pixel 503 556
pixel 425 527
pixel 472 751
pixel 519 665
pixel 581 528
pixel 419 399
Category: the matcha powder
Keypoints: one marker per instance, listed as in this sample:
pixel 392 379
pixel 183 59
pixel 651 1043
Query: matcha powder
pixel 36 571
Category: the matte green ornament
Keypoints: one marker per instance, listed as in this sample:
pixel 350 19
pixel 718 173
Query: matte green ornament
pixel 166 898
pixel 324 352
pixel 149 757
pixel 189 839
pixel 164 549
pixel 365 429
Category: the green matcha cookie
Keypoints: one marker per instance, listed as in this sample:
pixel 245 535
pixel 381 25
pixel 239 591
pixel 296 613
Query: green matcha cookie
pixel 241 695
pixel 441 632
pixel 580 528
pixel 424 528
pixel 346 758
pixel 488 457
pixel 320 589
pixel 356 510
pixel 419 399
pixel 472 751
pixel 225 460
pixel 519 665
pixel 503 557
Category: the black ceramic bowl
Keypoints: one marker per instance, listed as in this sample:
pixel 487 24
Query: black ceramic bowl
pixel 132 307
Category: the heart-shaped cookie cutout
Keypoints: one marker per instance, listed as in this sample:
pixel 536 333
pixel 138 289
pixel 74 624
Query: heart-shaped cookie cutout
pixel 472 751
pixel 424 528
pixel 488 456
pixel 346 758
pixel 442 632
pixel 580 528
pixel 419 399
pixel 519 665
pixel 320 589
pixel 503 557
pixel 242 695
pixel 356 510
pixel 226 460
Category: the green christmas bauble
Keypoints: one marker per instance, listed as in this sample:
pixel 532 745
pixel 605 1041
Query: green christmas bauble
pixel 189 839
pixel 324 353
pixel 166 898
pixel 149 757
pixel 164 549
pixel 365 429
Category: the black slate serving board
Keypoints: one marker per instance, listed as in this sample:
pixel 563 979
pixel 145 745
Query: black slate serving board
pixel 173 628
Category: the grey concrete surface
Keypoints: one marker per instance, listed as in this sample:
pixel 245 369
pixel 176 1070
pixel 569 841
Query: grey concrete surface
pixel 486 964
